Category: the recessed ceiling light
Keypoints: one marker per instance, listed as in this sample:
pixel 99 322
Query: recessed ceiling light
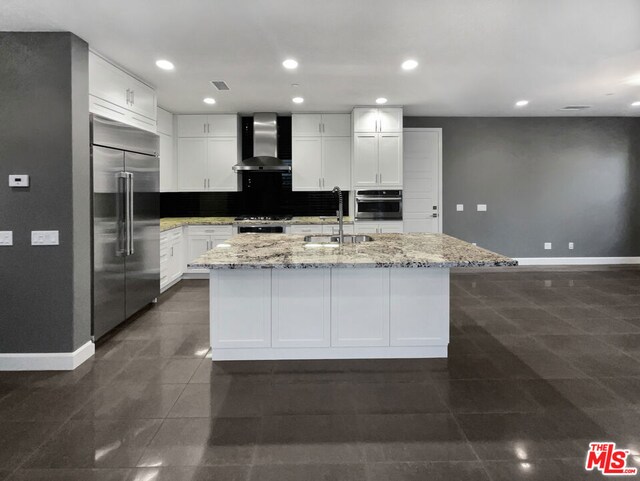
pixel 209 100
pixel 522 103
pixel 409 64
pixel 290 64
pixel 381 100
pixel 164 65
pixel 297 100
pixel 636 104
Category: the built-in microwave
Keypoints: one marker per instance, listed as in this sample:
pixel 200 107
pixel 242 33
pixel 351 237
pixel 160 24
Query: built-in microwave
pixel 378 204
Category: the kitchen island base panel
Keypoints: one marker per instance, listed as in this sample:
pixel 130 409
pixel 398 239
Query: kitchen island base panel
pixel 329 313
pixel 290 354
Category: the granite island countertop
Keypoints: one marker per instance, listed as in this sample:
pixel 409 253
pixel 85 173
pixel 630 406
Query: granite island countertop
pixel 168 223
pixel 285 251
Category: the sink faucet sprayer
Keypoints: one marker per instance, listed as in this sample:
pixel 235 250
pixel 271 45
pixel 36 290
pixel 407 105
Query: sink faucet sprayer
pixel 339 213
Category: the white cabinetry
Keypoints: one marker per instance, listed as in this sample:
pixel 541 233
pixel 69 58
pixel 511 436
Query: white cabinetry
pixel 370 119
pixel 301 308
pixel 171 260
pixel 242 304
pixel 168 164
pixel 381 227
pixel 115 94
pixel 208 147
pixel 377 147
pixel 321 152
pixel 200 239
pixel 360 315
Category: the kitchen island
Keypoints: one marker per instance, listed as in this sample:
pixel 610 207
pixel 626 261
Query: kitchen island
pixel 279 296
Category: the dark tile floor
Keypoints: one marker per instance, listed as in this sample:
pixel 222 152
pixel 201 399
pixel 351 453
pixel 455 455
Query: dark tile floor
pixel 541 362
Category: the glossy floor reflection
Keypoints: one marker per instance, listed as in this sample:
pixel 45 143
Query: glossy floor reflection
pixel 542 361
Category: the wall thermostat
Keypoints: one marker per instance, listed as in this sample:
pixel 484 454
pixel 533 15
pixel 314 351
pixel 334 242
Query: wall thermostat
pixel 19 181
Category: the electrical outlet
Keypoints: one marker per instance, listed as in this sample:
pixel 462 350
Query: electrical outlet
pixel 482 207
pixel 44 238
pixel 19 180
pixel 474 244
pixel 459 207
pixel 6 238
pixel 570 246
pixel 547 245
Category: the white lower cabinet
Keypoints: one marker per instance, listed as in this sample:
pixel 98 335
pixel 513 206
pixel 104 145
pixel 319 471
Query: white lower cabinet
pixel 241 304
pixel 171 261
pixel 301 308
pixel 380 227
pixel 360 314
pixel 200 239
pixel 411 290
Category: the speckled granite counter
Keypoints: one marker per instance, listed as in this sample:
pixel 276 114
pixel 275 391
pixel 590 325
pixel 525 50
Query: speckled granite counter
pixel 169 223
pixel 282 251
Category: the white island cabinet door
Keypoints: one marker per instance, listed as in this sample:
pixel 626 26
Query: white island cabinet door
pixel 411 323
pixel 240 308
pixel 359 307
pixel 301 307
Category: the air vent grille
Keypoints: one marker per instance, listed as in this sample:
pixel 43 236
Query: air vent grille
pixel 220 84
pixel 576 107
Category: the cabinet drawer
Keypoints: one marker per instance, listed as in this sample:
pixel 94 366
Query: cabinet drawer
pixel 217 230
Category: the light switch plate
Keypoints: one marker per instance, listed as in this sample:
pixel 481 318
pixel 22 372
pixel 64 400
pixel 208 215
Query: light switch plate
pixel 571 246
pixel 547 245
pixel 19 180
pixel 459 207
pixel 482 207
pixel 6 238
pixel 44 238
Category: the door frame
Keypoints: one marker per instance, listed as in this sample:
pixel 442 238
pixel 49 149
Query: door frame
pixel 438 130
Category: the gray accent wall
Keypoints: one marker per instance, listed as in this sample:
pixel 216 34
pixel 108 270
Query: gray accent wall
pixel 45 292
pixel 555 180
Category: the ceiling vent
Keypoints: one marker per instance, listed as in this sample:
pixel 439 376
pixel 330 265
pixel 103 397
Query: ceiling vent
pixel 576 107
pixel 220 84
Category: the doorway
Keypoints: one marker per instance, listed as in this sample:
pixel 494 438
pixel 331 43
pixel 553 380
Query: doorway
pixel 422 174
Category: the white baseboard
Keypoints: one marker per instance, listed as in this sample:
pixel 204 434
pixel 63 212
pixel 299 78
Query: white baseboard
pixel 576 261
pixel 47 361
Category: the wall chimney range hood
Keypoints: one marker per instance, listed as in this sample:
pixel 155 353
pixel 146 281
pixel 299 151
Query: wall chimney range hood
pixel 265 147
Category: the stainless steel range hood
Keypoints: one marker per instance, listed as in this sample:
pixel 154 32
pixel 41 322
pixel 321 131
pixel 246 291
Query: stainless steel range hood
pixel 265 147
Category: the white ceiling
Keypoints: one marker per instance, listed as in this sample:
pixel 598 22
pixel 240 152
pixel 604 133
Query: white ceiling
pixel 477 57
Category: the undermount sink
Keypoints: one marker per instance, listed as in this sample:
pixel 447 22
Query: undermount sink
pixel 332 239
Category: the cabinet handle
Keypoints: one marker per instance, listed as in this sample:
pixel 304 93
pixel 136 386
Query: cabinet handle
pixel 128 96
pixel 208 183
pixel 204 128
pixel 171 251
pixel 208 128
pixel 323 127
pixel 320 128
pixel 204 183
pixel 133 97
pixel 381 178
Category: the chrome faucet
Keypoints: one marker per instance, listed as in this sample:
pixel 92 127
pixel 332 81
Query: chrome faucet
pixel 336 190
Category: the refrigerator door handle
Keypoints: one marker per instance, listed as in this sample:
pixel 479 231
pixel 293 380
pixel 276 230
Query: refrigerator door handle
pixel 121 213
pixel 129 213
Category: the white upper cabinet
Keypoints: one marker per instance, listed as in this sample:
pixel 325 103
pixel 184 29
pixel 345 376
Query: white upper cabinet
pixel 222 125
pixel 365 120
pixel 116 94
pixel 208 147
pixel 370 119
pixel 306 125
pixel 331 125
pixel 321 151
pixel 377 147
pixel 192 126
pixel 320 163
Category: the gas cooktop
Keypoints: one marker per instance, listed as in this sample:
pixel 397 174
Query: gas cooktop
pixel 264 217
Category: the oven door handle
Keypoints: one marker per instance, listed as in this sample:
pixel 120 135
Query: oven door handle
pixel 377 199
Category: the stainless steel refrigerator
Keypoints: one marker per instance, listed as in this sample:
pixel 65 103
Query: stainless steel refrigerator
pixel 126 222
